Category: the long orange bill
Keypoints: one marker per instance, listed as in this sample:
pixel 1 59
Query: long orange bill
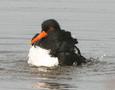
pixel 39 37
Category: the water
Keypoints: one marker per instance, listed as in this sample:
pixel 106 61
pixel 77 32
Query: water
pixel 91 21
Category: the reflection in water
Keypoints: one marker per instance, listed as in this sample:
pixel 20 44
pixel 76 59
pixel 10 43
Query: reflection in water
pixel 59 78
pixel 51 78
pixel 52 85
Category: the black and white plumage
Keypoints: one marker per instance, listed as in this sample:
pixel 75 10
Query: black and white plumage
pixel 57 48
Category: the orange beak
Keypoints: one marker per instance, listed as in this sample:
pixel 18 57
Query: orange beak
pixel 39 37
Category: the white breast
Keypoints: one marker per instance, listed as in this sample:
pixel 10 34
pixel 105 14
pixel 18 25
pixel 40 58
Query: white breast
pixel 40 57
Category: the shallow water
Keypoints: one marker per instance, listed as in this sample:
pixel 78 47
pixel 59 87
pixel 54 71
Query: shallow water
pixel 91 21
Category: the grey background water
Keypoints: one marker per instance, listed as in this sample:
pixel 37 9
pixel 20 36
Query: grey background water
pixel 91 21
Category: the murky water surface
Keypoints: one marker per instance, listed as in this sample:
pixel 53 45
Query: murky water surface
pixel 91 21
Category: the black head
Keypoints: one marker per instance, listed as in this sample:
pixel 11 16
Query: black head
pixel 50 25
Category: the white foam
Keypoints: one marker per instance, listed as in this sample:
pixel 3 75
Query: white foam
pixel 40 57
